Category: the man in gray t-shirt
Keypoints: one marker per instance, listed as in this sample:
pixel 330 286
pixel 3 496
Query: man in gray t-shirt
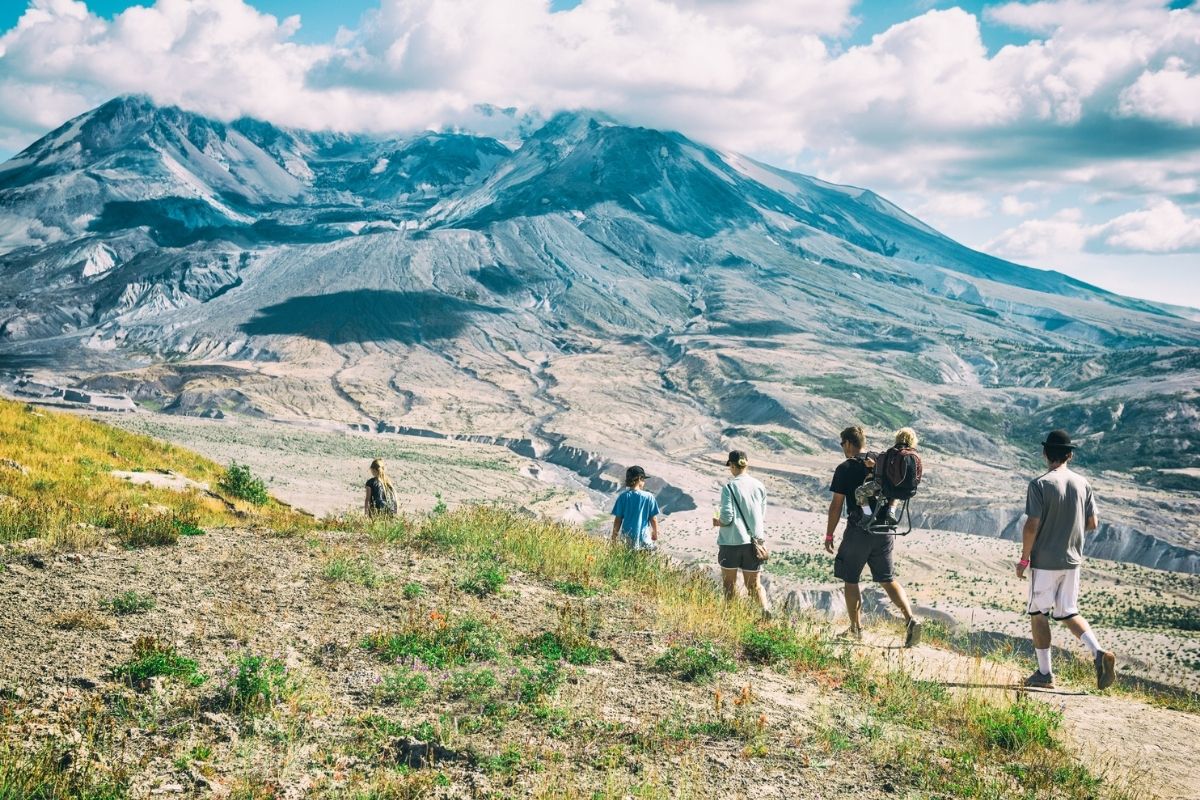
pixel 1060 509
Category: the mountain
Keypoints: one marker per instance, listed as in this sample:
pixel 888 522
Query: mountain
pixel 593 293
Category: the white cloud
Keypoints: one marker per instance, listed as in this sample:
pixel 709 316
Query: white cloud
pixel 1170 94
pixel 961 205
pixel 1013 206
pixel 1162 227
pixel 1039 238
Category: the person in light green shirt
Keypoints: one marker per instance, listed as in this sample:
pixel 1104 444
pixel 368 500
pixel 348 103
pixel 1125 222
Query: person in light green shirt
pixel 741 519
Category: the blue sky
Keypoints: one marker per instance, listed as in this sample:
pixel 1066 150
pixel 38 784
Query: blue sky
pixel 1063 134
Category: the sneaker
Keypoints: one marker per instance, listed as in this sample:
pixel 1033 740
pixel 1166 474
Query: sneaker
pixel 851 633
pixel 912 632
pixel 1040 680
pixel 889 516
pixel 1106 669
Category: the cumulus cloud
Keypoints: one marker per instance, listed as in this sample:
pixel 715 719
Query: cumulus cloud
pixel 1170 94
pixel 1013 206
pixel 1162 227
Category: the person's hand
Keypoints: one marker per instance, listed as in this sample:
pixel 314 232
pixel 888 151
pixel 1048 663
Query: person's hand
pixel 829 546
pixel 1021 565
pixel 716 522
pixel 654 536
pixel 870 462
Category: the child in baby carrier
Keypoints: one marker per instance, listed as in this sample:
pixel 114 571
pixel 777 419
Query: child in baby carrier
pixel 896 478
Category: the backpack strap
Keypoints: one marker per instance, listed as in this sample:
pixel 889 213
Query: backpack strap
pixel 738 505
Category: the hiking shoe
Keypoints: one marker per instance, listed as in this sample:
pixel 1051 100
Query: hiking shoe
pixel 1040 680
pixel 889 516
pixel 1106 669
pixel 851 633
pixel 912 632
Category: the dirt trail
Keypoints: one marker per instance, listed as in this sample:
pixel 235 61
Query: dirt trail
pixel 1145 750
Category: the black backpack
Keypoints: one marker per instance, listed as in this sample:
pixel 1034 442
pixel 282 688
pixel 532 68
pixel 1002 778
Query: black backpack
pixel 899 473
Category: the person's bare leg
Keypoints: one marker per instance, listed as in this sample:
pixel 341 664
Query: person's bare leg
pixel 896 592
pixel 1077 625
pixel 854 606
pixel 729 582
pixel 755 589
pixel 1040 624
pixel 1106 662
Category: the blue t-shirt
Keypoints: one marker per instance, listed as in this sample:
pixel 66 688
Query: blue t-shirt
pixel 636 507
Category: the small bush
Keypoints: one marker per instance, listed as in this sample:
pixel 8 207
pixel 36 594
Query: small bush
pixel 257 684
pixel 127 603
pixel 1017 725
pixel 695 663
pixel 152 659
pixel 534 685
pixel 574 589
pixel 241 483
pixel 436 642
pixel 412 591
pixel 770 644
pixel 144 528
pixel 550 646
pixel 353 570
pixel 475 686
pixel 403 687
pixel 486 579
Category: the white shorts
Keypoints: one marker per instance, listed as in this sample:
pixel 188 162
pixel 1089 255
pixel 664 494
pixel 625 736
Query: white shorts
pixel 1054 592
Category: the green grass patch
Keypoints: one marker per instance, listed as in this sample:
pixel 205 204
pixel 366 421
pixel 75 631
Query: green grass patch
pixel 1016 726
pixel 696 662
pixel 153 659
pixel 551 646
pixel 435 641
pixel 127 603
pixel 404 686
pixel 411 591
pixel 352 569
pixel 257 684
pixel 485 579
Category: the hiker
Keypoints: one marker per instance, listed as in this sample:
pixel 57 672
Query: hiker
pixel 381 495
pixel 896 477
pixel 1060 508
pixel 741 519
pixel 635 512
pixel 860 547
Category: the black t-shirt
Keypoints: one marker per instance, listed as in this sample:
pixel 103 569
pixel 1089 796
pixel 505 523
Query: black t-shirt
pixel 850 475
pixel 378 495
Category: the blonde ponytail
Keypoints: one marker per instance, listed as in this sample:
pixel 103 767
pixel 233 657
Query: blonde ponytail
pixel 379 472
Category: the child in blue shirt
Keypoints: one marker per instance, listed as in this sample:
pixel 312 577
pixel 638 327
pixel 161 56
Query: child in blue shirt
pixel 635 513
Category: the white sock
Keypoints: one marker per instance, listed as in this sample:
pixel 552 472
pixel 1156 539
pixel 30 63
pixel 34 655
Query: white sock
pixel 1043 657
pixel 1089 641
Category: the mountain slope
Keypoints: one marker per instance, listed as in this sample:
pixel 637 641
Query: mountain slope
pixel 600 292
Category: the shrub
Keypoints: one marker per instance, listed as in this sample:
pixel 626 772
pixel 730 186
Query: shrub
pixel 144 528
pixel 475 686
pixel 241 483
pixel 412 591
pixel 695 663
pixel 152 659
pixel 533 685
pixel 1017 725
pixel 486 579
pixel 355 570
pixel 257 684
pixel 435 641
pixel 770 644
pixel 551 646
pixel 403 687
pixel 128 603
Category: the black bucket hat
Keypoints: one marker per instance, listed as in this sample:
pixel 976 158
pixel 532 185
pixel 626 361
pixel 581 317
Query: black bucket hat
pixel 1058 439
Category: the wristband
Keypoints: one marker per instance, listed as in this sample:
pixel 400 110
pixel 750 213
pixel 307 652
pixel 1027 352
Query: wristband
pixel 829 537
pixel 1024 562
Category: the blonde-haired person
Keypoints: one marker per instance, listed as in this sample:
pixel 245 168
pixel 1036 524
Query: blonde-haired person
pixel 381 495
pixel 741 519
pixel 906 439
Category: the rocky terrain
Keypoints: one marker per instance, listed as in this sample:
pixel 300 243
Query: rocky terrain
pixel 591 294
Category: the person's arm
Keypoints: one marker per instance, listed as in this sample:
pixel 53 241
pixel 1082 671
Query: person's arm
pixel 367 502
pixel 1028 536
pixel 761 528
pixel 831 523
pixel 616 528
pixel 727 516
pixel 654 529
pixel 1092 523
pixel 1089 509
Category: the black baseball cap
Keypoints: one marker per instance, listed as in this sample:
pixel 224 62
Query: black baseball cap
pixel 1058 439
pixel 633 474
pixel 737 457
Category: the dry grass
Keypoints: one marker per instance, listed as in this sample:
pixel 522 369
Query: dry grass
pixel 56 484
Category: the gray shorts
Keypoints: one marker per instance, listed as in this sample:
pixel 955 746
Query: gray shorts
pixel 738 556
pixel 861 548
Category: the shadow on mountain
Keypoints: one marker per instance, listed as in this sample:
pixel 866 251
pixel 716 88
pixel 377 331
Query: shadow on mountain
pixel 367 315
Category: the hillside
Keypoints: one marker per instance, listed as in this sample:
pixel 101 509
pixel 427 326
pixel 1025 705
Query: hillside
pixel 484 653
pixel 594 294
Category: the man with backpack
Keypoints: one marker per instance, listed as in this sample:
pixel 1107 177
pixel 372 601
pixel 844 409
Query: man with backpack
pixel 859 547
pixel 1060 509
